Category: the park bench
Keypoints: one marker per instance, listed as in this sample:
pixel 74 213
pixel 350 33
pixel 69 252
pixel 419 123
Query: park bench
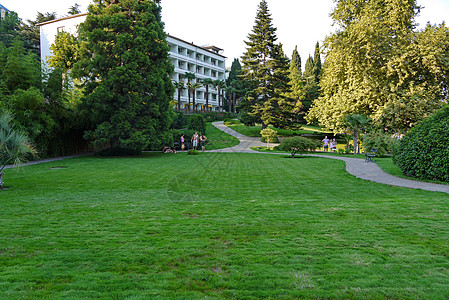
pixel 369 156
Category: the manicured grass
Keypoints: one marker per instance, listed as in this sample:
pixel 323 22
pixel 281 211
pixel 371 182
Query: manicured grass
pixel 217 139
pixel 217 226
pixel 254 131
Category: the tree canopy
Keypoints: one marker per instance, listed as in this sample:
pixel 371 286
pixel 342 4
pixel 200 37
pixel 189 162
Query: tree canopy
pixel 126 68
pixel 378 65
pixel 265 71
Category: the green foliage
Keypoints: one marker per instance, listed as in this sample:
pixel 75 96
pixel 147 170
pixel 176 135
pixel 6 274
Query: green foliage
pixel 193 152
pixel 228 121
pixel 297 144
pixel 265 71
pixel 126 67
pixel 197 123
pixel 383 142
pixel 356 123
pixel 15 147
pixel 9 28
pixel 379 65
pixel 269 135
pixel 180 120
pixel 177 133
pixel 424 151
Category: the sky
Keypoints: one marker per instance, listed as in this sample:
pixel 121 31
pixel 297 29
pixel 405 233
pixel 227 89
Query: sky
pixel 226 24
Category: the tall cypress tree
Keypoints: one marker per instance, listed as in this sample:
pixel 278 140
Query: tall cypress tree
pixel 296 80
pixel 317 68
pixel 127 66
pixel 263 67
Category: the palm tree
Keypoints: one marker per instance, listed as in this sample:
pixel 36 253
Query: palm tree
pixel 180 86
pixel 206 83
pixel 15 147
pixel 356 123
pixel 189 76
pixel 194 86
pixel 219 84
pixel 230 91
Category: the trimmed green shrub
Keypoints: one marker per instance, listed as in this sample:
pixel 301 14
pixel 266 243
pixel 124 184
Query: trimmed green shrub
pixel 269 136
pixel 177 135
pixel 228 121
pixel 383 142
pixel 424 151
pixel 197 123
pixel 192 152
pixel 298 144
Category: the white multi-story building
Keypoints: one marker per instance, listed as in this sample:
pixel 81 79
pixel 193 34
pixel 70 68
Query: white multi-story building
pixel 3 11
pixel 203 61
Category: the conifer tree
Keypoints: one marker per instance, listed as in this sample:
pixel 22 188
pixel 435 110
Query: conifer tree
pixel 296 80
pixel 317 68
pixel 127 70
pixel 264 67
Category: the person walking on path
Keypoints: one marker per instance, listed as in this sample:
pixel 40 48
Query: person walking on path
pixel 203 139
pixel 195 139
pixel 182 143
pixel 326 143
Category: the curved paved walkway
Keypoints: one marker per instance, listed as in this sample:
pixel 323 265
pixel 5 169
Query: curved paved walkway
pixel 355 166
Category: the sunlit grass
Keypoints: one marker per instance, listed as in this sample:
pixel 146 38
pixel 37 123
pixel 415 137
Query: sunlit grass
pixel 217 226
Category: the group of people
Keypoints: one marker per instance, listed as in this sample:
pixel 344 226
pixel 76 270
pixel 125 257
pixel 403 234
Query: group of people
pixel 196 138
pixel 329 144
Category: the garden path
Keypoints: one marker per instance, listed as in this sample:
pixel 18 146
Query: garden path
pixel 355 166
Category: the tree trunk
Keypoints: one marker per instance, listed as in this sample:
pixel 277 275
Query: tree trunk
pixel 179 99
pixel 207 98
pixel 193 97
pixel 356 136
pixel 188 92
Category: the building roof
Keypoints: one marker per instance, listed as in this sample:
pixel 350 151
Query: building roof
pixel 1 6
pixel 62 19
pixel 211 49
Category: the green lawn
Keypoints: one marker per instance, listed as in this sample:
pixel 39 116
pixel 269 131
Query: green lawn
pixel 254 131
pixel 217 226
pixel 217 139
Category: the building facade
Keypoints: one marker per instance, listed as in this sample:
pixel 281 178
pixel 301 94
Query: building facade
pixel 3 11
pixel 203 61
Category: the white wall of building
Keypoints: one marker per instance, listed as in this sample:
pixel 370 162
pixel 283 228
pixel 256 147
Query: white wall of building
pixel 49 30
pixel 185 57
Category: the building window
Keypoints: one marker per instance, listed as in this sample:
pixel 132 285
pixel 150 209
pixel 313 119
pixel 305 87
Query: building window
pixel 60 29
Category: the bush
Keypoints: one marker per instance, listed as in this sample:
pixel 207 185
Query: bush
pixel 177 135
pixel 192 152
pixel 383 142
pixel 179 120
pixel 228 121
pixel 269 136
pixel 424 151
pixel 298 144
pixel 197 123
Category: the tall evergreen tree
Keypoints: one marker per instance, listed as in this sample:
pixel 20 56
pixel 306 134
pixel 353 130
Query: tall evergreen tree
pixel 235 83
pixel 126 67
pixel 263 67
pixel 30 32
pixel 317 68
pixel 9 28
pixel 296 80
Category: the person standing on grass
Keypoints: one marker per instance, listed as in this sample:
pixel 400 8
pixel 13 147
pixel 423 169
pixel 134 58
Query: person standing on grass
pixel 326 143
pixel 203 139
pixel 195 139
pixel 182 143
pixel 334 145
